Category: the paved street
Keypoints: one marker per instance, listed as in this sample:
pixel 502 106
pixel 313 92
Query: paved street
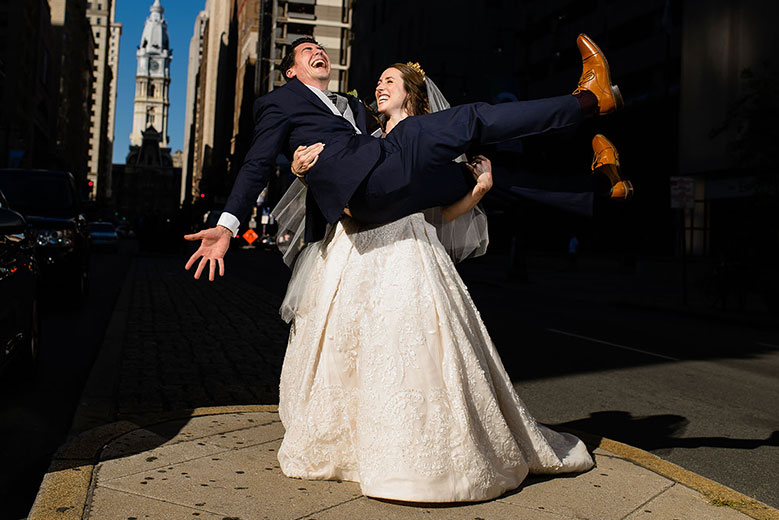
pixel 696 391
pixel 596 352
pixel 35 416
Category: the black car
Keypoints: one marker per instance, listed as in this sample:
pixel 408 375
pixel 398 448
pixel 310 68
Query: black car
pixel 50 204
pixel 18 285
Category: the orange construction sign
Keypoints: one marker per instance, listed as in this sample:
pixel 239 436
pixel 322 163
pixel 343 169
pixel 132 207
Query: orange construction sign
pixel 250 236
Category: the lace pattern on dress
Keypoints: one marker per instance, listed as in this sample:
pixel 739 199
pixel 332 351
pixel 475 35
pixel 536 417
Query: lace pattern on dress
pixel 390 378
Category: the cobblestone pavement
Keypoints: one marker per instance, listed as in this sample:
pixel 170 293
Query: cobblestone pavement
pixel 191 343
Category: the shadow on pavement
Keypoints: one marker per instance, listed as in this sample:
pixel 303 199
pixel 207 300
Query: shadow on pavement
pixel 656 432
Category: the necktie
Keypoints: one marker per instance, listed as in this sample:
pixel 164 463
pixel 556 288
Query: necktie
pixel 338 100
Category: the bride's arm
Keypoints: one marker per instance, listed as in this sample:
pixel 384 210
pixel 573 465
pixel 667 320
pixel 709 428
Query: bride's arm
pixel 481 167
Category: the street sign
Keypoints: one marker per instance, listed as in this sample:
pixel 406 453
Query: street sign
pixel 682 192
pixel 250 236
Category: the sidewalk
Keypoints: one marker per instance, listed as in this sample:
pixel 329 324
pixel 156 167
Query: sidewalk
pixel 169 431
pixel 221 464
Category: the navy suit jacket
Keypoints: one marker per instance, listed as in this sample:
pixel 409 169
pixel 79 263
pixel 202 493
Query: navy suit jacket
pixel 288 117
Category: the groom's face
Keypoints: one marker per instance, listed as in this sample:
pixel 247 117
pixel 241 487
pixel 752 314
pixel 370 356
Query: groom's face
pixel 312 65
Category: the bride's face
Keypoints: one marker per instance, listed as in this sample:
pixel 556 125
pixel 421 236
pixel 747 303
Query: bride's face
pixel 390 92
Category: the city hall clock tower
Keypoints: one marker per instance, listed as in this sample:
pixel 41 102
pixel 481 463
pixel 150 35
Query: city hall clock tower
pixel 152 78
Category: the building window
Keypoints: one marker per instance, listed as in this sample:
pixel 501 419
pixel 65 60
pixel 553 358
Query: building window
pixel 152 90
pixel 301 11
pixel 99 7
pixel 89 5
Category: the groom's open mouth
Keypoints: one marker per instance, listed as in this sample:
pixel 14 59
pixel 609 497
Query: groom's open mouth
pixel 319 63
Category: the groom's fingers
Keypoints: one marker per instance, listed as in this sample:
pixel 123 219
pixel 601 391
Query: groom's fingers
pixel 200 266
pixel 211 269
pixel 221 266
pixel 192 259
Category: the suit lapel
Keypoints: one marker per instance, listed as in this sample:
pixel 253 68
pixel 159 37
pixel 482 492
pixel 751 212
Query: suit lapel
pixel 358 109
pixel 299 88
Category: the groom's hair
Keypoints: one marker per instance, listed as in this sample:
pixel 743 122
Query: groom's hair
pixel 289 59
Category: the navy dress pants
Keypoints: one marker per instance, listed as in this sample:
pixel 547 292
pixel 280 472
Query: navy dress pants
pixel 416 171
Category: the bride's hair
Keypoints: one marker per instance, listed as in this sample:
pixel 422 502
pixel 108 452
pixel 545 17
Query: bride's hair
pixel 416 102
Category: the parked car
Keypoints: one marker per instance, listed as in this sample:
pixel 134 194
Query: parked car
pixel 18 285
pixel 50 204
pixel 103 234
pixel 125 230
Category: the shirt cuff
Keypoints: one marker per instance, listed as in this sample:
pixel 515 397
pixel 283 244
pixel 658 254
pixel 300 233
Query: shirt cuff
pixel 229 221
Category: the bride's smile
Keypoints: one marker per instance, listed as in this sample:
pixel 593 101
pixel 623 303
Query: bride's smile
pixel 390 93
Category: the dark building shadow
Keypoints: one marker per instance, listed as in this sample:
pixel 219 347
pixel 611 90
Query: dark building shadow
pixel 655 432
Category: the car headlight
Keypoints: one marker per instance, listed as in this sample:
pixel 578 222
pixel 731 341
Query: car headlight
pixel 55 237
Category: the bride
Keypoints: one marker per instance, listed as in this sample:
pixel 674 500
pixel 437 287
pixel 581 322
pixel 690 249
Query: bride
pixel 390 378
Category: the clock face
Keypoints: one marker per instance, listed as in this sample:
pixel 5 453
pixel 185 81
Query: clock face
pixel 154 66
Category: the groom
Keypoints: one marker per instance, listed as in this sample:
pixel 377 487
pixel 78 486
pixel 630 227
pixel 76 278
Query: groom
pixel 382 180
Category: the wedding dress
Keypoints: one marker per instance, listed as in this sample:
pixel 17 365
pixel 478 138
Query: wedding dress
pixel 390 378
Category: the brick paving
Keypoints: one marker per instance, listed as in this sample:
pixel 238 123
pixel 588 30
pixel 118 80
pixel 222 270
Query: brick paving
pixel 192 343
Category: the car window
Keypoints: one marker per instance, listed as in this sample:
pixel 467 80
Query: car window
pixel 28 192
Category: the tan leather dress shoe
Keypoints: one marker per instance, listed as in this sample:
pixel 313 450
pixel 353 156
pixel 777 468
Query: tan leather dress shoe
pixel 606 161
pixel 596 76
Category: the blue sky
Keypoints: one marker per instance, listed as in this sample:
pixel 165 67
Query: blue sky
pixel 180 15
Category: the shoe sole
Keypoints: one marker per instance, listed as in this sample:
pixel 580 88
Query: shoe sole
pixel 618 101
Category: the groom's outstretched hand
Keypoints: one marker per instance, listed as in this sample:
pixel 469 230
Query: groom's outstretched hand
pixel 213 246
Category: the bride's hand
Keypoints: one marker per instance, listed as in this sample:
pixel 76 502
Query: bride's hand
pixel 305 157
pixel 481 167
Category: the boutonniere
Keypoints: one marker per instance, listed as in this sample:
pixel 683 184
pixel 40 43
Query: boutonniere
pixel 353 93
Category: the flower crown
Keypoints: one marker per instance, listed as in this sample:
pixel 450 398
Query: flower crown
pixel 415 65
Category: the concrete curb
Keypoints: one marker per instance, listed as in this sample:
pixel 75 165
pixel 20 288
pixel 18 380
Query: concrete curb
pixel 718 494
pixel 68 484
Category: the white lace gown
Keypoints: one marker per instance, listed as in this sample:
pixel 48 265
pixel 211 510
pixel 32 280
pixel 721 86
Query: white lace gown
pixel 391 380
